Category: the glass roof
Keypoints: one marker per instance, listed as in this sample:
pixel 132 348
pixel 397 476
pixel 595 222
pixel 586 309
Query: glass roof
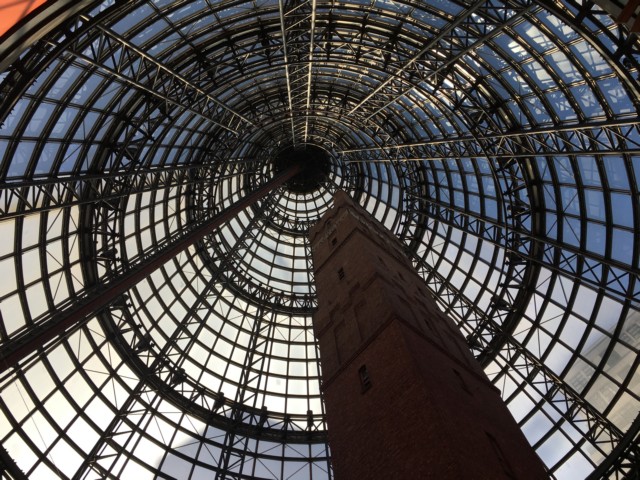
pixel 499 140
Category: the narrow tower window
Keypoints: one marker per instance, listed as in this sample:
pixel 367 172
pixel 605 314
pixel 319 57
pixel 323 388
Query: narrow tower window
pixel 365 379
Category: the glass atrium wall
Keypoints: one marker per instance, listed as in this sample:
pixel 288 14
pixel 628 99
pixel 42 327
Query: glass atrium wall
pixel 499 140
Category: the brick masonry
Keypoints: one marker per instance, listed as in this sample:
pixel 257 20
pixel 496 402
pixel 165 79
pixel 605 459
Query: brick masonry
pixel 404 396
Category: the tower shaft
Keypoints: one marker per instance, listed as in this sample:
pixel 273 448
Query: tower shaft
pixel 404 396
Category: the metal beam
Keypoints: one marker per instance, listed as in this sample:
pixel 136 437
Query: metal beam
pixel 187 85
pixel 624 461
pixel 285 52
pixel 310 67
pixel 19 199
pixel 494 232
pixel 571 406
pixel 156 368
pixel 38 335
pixel 298 26
pixel 502 157
pixel 118 57
pixel 463 35
pixel 466 14
pixel 234 446
pixel 613 138
pixel 8 467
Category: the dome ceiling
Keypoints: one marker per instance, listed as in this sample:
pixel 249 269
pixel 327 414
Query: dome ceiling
pixel 498 140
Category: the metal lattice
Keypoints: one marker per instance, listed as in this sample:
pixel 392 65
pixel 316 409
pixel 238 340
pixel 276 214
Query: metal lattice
pixel 498 139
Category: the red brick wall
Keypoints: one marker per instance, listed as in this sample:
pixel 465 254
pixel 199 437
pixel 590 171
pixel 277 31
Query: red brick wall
pixel 430 412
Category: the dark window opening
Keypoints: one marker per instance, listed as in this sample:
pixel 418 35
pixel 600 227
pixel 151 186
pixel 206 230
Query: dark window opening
pixel 365 379
pixel 341 273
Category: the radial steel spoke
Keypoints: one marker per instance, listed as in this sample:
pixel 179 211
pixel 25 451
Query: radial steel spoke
pixel 36 337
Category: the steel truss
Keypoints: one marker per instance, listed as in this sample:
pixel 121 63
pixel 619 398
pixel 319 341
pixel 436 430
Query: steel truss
pixel 432 62
pixel 107 51
pixel 36 196
pixel 617 277
pixel 204 200
pixel 513 234
pixel 518 360
pixel 297 19
pixel 163 378
pixel 92 300
pixel 353 78
pixel 8 467
pixel 614 137
pixel 624 460
pixel 235 445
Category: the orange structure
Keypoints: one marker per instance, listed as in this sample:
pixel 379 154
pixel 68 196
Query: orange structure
pixel 12 11
pixel 404 396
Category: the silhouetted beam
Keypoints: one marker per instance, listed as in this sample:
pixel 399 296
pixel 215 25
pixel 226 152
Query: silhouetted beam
pixel 37 336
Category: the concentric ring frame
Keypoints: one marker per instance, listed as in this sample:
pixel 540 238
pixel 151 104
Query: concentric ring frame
pixel 498 140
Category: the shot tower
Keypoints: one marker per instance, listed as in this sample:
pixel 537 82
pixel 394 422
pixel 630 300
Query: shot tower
pixel 404 396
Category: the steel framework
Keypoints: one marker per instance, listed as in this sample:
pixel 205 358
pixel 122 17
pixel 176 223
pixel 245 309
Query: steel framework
pixel 498 139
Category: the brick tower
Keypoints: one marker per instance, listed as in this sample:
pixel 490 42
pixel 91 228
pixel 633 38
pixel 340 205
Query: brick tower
pixel 405 398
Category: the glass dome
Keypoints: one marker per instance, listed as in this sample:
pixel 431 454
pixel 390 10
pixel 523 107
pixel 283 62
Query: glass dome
pixel 498 140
